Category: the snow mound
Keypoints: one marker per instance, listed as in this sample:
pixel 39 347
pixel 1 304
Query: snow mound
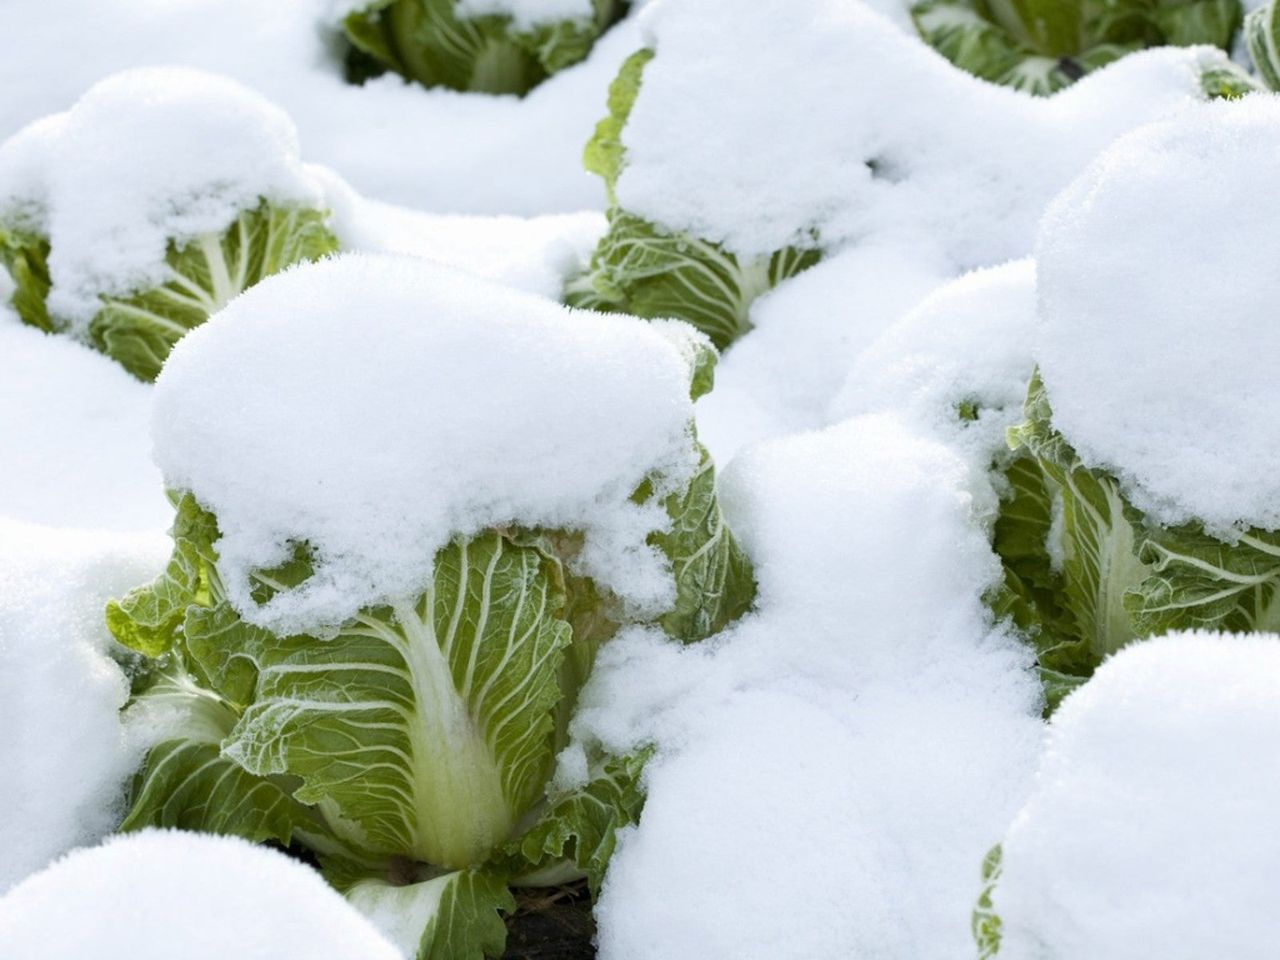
pixel 1152 830
pixel 842 125
pixel 957 365
pixel 432 149
pixel 73 437
pixel 780 378
pixel 373 407
pixel 159 894
pixel 537 254
pixel 842 753
pixel 1156 281
pixel 145 157
pixel 63 751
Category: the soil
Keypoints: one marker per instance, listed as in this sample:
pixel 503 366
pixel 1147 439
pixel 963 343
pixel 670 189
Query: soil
pixel 554 924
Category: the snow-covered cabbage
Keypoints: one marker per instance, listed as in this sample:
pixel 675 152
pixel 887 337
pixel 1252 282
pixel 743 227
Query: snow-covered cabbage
pixel 1150 831
pixel 1262 39
pixel 483 46
pixel 1144 498
pixel 375 653
pixel 714 200
pixel 162 194
pixel 1041 46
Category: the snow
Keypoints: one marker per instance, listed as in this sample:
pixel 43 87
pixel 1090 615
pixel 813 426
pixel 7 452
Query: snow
pixel 1165 250
pixel 1152 829
pixel 780 378
pixel 64 756
pixel 145 158
pixel 969 342
pixel 537 254
pixel 160 894
pixel 842 758
pixel 527 14
pixel 960 165
pixel 373 407
pixel 74 437
pixel 433 149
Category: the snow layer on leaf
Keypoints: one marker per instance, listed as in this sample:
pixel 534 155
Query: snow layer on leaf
pixel 433 149
pixel 1152 829
pixel 1158 346
pixel 162 894
pixel 145 157
pixel 965 351
pixel 62 751
pixel 867 725
pixel 537 254
pixel 846 127
pixel 73 437
pixel 373 407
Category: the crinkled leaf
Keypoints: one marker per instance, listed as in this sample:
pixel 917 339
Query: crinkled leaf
pixel 26 257
pixel 457 916
pixel 604 151
pixel 147 618
pixel 649 272
pixel 1042 46
pixel 1021 538
pixel 580 826
pixel 188 785
pixel 643 269
pixel 714 581
pixel 424 40
pixel 1098 537
pixel 140 330
pixel 1199 582
pixel 1262 36
pixel 428 723
pixel 985 922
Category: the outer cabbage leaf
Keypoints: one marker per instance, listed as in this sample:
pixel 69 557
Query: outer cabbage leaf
pixel 714 581
pixel 1198 581
pixel 1098 538
pixel 644 269
pixel 985 922
pixel 26 257
pixel 139 330
pixel 429 723
pixel 1086 572
pixel 579 828
pixel 148 618
pixel 426 41
pixel 1262 36
pixel 456 916
pixel 1041 46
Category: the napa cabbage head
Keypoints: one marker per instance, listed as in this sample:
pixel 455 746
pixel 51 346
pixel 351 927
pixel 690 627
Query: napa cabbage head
pixel 1041 46
pixel 442 43
pixel 1086 572
pixel 140 328
pixel 411 750
pixel 648 270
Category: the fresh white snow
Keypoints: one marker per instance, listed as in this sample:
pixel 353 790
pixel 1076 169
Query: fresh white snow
pixel 74 437
pixel 830 771
pixel 144 159
pixel 373 407
pixel 1151 831
pixel 159 894
pixel 65 757
pixel 1157 345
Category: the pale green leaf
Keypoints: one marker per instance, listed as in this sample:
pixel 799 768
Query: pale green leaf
pixel 428 723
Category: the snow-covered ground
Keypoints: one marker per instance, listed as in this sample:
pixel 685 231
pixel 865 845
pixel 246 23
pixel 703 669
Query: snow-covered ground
pixel 827 771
